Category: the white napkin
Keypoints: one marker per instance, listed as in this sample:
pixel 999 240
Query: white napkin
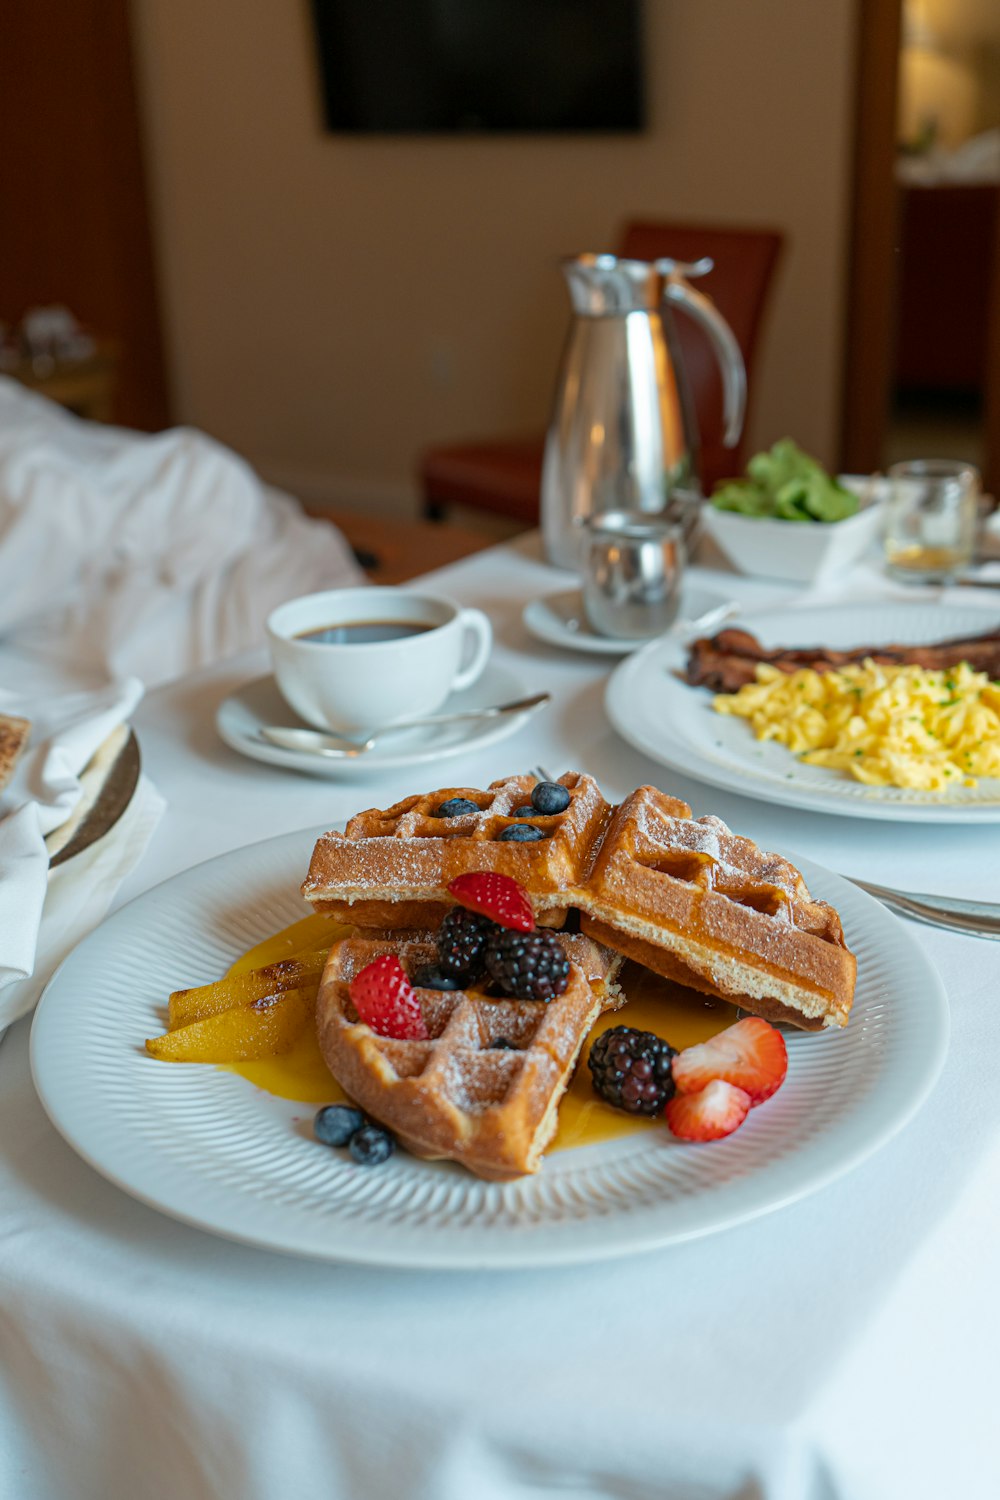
pixel 65 732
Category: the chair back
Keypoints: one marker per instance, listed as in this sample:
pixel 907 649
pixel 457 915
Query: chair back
pixel 745 261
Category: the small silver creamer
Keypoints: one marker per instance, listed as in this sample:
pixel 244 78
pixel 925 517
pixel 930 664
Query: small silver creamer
pixel 633 567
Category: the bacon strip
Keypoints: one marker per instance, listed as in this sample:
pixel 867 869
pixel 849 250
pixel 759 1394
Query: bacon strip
pixel 727 661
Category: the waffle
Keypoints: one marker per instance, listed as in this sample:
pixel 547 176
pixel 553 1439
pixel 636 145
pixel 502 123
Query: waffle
pixel 693 901
pixel 454 1095
pixel 391 868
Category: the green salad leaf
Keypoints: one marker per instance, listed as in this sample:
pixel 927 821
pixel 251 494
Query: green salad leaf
pixel 787 484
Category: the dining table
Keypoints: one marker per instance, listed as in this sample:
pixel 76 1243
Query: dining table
pixel 842 1346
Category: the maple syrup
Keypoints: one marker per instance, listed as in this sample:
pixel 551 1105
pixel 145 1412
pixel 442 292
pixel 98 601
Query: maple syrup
pixel 680 1015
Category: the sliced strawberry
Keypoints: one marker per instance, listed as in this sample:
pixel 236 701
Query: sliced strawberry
pixel 709 1115
pixel 383 998
pixel 751 1055
pixel 496 896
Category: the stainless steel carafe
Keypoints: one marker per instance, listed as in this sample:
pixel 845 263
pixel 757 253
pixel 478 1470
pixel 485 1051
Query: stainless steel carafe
pixel 623 434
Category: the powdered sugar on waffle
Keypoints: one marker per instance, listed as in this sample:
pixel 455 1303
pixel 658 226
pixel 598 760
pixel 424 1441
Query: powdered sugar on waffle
pixel 405 852
pixel 505 798
pixel 711 837
pixel 459 1094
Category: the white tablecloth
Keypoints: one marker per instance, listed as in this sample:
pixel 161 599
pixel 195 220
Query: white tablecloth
pixel 843 1348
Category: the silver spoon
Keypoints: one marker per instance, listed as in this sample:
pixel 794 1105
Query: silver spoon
pixel 702 624
pixel 339 746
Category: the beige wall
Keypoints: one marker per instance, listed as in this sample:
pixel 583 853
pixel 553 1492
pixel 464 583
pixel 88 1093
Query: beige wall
pixel 332 304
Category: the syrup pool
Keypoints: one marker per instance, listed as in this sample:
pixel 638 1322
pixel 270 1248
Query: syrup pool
pixel 654 1004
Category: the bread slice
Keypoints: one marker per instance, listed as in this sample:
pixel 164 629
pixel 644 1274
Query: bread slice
pixel 14 732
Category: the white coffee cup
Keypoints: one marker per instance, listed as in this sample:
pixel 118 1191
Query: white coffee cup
pixel 358 684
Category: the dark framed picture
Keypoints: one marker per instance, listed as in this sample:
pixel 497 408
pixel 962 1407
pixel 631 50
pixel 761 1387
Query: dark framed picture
pixel 452 66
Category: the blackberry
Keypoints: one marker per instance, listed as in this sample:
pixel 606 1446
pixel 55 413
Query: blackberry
pixel 430 977
pixel 631 1070
pixel 371 1145
pixel 527 965
pixel 549 797
pixel 520 833
pixel 454 808
pixel 335 1124
pixel 461 944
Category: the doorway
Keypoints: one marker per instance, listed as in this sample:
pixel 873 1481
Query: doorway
pixel 72 178
pixel 922 349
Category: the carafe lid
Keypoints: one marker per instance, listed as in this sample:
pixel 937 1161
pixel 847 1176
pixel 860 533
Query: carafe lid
pixel 600 285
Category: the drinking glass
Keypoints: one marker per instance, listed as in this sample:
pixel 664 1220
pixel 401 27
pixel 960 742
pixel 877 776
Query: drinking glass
pixel 931 517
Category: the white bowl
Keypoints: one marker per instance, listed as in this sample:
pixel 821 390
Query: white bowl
pixel 797 551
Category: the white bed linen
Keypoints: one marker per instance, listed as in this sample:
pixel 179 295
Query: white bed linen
pixel 841 1349
pixel 144 555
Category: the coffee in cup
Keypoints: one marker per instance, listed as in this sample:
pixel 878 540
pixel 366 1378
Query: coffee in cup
pixel 359 659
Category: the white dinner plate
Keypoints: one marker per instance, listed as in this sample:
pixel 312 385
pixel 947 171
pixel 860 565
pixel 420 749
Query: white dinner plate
pixel 674 724
pixel 559 619
pixel 240 717
pixel 204 1146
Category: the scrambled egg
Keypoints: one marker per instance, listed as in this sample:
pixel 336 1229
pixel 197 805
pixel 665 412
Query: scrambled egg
pixel 886 726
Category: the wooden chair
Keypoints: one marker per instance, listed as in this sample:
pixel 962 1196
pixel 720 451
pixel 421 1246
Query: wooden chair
pixel 503 475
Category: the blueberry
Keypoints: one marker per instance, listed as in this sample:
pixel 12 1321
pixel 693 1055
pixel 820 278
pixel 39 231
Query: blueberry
pixel 524 812
pixel 502 1045
pixel 371 1145
pixel 335 1124
pixel 549 797
pixel 429 977
pixel 455 807
pixel 520 833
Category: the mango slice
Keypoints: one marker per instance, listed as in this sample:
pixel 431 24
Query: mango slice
pixel 304 972
pixel 268 1026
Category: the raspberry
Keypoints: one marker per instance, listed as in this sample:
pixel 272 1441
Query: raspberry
pixel 383 998
pixel 496 896
pixel 631 1070
pixel 528 965
pixel 461 944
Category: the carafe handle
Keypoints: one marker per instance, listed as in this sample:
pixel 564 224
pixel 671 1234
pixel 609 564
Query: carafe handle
pixel 703 310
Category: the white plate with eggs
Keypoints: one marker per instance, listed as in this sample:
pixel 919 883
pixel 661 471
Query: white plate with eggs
pixel 654 709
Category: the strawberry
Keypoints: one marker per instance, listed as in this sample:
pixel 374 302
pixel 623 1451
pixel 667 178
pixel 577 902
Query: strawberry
pixel 751 1055
pixel 383 998
pixel 707 1116
pixel 496 896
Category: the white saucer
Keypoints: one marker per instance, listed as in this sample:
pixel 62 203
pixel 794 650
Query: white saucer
pixel 559 620
pixel 240 716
